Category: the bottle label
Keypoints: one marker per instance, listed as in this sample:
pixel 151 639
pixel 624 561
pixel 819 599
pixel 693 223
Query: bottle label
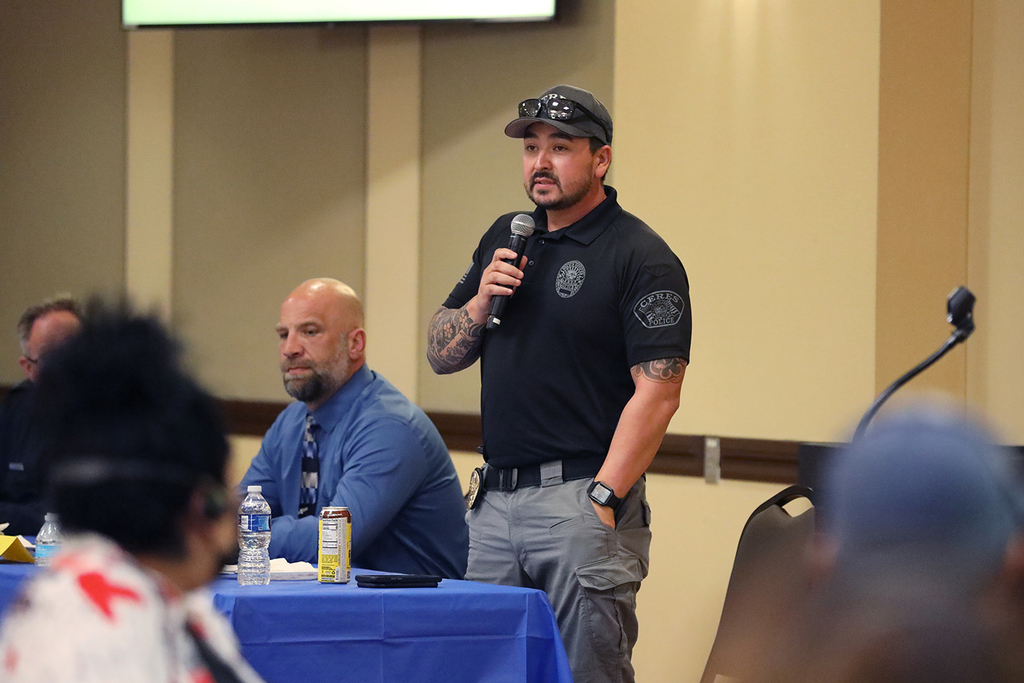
pixel 257 523
pixel 47 551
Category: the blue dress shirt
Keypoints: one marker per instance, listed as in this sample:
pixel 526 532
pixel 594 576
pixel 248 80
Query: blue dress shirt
pixel 383 459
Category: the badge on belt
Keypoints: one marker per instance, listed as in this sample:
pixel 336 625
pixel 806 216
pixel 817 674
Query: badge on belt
pixel 476 481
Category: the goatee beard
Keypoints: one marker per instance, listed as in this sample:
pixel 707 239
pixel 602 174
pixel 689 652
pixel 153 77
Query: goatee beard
pixel 563 202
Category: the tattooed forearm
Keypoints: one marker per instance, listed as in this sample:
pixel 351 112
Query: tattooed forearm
pixel 453 342
pixel 663 370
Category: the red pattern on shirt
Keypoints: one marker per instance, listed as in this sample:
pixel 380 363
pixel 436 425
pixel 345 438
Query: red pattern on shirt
pixel 102 593
pixel 202 676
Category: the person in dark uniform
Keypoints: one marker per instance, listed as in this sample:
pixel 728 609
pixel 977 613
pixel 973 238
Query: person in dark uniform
pixel 41 329
pixel 579 382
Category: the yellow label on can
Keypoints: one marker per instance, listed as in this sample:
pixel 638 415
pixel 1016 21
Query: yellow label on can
pixel 335 546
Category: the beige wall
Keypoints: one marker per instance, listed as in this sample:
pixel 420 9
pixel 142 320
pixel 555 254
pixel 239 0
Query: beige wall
pixel 924 153
pixel 750 134
pixel 765 177
pixel 995 378
pixel 747 136
pixel 269 187
pixel 62 150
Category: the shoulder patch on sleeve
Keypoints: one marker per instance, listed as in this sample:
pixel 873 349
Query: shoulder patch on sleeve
pixel 659 309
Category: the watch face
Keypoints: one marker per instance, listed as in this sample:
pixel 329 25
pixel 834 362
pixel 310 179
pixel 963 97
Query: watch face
pixel 600 493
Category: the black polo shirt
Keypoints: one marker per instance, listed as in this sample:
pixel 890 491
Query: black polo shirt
pixel 597 298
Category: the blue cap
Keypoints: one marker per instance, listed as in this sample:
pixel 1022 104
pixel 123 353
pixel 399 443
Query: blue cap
pixel 923 488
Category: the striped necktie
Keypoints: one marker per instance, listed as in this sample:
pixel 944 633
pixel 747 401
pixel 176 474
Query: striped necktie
pixel 310 469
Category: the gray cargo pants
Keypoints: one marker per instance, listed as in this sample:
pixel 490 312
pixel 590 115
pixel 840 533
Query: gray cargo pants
pixel 549 537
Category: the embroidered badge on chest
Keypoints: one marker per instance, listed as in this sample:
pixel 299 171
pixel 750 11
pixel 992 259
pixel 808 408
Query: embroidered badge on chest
pixel 659 309
pixel 570 278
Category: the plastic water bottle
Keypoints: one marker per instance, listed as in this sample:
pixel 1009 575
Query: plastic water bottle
pixel 254 539
pixel 48 540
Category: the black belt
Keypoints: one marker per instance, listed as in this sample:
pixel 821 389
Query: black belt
pixel 511 478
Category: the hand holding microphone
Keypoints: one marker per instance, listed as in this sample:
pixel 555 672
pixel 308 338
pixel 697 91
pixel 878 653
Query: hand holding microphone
pixel 522 227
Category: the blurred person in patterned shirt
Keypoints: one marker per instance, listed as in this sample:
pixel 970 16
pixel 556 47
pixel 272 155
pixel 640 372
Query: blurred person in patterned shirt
pixel 137 454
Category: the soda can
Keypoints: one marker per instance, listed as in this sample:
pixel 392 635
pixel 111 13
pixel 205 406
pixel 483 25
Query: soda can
pixel 335 547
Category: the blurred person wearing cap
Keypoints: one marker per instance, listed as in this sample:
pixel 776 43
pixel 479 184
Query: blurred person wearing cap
pixel 138 459
pixel 579 382
pixel 919 558
pixel 925 493
pixel 353 440
pixel 41 328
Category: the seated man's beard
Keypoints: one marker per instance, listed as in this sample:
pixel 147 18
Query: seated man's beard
pixel 306 389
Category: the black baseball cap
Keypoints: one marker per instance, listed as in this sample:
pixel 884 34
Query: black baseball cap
pixel 570 109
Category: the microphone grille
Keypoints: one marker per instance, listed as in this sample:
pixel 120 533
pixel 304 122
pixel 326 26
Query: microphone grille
pixel 523 225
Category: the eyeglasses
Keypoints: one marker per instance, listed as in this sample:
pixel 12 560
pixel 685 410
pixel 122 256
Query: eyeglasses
pixel 557 108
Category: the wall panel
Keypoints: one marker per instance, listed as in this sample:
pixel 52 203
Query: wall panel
pixel 747 136
pixel 269 187
pixel 62 147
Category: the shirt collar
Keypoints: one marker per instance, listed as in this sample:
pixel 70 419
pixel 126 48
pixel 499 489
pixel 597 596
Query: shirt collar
pixel 334 410
pixel 588 228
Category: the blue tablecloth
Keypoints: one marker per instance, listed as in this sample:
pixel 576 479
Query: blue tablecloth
pixel 305 631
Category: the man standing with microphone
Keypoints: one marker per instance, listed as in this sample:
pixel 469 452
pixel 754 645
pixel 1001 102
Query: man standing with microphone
pixel 579 381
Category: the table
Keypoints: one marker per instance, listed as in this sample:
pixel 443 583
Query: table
pixel 305 631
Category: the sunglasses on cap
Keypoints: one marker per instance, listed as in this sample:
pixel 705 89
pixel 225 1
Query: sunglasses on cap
pixel 557 108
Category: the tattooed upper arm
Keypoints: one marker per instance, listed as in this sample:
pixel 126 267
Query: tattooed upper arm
pixel 663 370
pixel 453 342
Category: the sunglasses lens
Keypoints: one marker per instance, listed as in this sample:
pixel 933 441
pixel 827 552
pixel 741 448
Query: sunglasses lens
pixel 556 108
pixel 529 108
pixel 559 108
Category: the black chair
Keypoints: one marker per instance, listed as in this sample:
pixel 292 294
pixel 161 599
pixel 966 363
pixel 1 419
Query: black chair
pixel 770 579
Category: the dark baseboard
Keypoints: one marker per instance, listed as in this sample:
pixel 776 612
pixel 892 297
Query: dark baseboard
pixel 680 454
pixel 250 418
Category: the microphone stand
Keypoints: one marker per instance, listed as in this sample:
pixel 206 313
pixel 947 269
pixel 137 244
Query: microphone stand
pixel 960 307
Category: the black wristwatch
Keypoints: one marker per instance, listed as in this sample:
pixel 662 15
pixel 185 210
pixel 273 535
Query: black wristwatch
pixel 603 495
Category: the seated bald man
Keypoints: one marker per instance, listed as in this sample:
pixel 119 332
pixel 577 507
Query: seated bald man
pixel 352 439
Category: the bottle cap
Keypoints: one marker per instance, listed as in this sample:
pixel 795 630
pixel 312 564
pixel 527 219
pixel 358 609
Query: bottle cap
pixel 49 517
pixel 256 488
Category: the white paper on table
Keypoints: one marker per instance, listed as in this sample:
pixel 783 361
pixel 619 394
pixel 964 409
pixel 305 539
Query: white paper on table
pixel 282 570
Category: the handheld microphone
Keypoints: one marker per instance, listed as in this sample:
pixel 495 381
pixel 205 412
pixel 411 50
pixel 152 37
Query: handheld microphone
pixel 522 227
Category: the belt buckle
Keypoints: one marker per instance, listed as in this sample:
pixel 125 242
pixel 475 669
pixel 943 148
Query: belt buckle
pixel 503 481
